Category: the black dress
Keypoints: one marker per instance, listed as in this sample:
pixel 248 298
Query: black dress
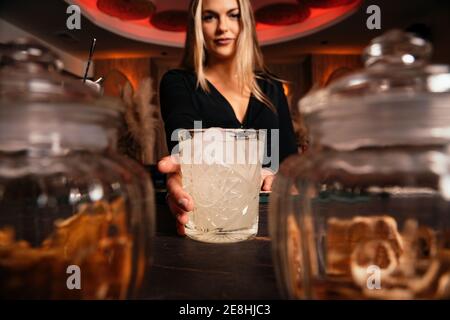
pixel 182 103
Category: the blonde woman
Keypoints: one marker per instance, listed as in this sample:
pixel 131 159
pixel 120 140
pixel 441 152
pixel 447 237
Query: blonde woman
pixel 223 83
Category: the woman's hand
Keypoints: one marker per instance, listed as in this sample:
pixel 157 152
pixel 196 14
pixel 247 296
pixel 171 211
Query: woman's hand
pixel 267 178
pixel 179 201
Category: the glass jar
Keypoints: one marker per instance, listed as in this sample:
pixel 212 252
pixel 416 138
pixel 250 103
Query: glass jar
pixel 76 218
pixel 365 212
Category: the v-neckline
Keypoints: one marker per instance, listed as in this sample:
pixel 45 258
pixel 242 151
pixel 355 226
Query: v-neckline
pixel 241 124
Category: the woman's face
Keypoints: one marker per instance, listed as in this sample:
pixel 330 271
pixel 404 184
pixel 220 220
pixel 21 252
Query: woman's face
pixel 221 27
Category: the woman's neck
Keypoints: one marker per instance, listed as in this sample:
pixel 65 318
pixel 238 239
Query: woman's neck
pixel 223 69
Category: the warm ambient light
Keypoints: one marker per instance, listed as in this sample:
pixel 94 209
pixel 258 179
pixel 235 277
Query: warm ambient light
pixel 286 26
pixel 286 89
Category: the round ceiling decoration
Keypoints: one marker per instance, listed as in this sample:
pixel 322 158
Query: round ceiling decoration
pixel 170 20
pixel 326 3
pixel 282 14
pixel 163 22
pixel 127 9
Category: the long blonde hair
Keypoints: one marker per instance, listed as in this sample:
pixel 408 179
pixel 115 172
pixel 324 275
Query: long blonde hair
pixel 250 56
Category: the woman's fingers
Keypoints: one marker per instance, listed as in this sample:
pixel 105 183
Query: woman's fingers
pixel 180 229
pixel 179 213
pixel 267 177
pixel 178 200
pixel 181 198
pixel 267 183
pixel 168 164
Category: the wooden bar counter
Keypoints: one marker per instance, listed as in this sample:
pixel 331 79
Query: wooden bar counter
pixel 189 270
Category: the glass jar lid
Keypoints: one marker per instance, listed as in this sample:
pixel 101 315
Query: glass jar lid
pixel 398 98
pixel 30 72
pixel 39 105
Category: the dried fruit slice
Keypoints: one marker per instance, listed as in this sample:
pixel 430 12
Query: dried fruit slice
pixel 344 235
pixel 371 257
pixel 443 291
pixel 85 239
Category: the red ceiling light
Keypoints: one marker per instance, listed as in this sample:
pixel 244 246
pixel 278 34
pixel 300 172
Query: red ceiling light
pixel 276 23
pixel 170 20
pixel 282 14
pixel 127 9
pixel 326 3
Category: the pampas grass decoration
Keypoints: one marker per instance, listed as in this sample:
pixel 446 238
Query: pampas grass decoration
pixel 144 122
